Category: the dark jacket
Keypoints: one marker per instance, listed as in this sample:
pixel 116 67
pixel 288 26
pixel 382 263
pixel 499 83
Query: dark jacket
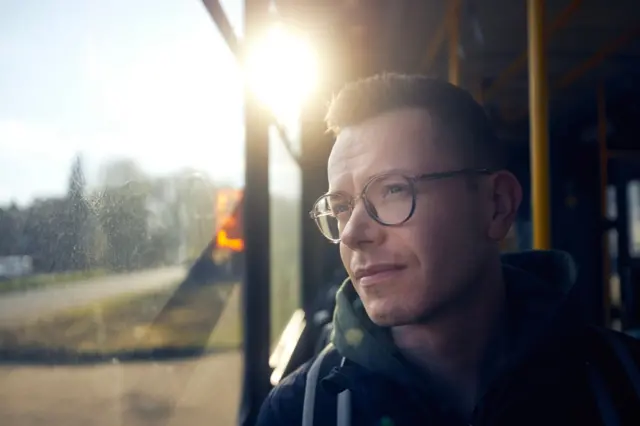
pixel 561 370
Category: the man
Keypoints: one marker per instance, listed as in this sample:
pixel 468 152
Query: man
pixel 433 325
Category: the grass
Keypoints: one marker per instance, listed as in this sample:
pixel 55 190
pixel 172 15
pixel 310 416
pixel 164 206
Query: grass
pixel 142 322
pixel 206 317
pixel 47 280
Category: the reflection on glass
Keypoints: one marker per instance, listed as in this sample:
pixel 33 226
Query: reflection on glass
pixel 121 134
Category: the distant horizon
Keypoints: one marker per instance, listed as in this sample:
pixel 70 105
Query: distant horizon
pixel 93 182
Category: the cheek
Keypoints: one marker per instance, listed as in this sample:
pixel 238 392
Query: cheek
pixel 439 238
pixel 345 256
pixel 430 232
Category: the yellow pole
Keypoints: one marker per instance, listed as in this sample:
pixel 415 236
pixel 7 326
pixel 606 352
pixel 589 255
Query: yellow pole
pixel 454 41
pixel 602 144
pixel 539 132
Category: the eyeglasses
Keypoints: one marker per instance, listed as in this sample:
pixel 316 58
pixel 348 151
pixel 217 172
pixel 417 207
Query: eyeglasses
pixel 389 199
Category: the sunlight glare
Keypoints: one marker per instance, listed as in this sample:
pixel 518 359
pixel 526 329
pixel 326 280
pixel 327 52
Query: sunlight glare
pixel 282 72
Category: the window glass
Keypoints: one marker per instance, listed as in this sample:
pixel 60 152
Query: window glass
pixel 121 132
pixel 633 199
pixel 285 190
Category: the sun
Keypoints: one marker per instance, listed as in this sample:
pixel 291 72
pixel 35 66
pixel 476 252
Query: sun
pixel 282 71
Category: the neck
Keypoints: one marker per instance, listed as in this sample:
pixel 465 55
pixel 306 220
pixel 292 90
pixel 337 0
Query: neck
pixel 453 347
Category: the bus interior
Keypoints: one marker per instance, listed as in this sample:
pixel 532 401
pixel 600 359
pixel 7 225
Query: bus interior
pixel 248 282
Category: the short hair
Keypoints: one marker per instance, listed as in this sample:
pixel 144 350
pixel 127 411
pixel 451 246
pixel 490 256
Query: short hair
pixel 458 120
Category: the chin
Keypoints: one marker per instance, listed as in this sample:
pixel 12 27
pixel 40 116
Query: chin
pixel 385 314
pixel 395 313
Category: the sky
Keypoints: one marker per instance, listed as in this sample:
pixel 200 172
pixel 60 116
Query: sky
pixel 150 80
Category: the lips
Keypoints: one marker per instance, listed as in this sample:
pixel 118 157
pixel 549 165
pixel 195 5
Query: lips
pixel 377 272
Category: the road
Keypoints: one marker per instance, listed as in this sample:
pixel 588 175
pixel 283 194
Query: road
pixel 198 391
pixel 201 391
pixel 16 308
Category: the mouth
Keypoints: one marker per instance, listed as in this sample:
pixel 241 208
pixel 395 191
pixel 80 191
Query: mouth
pixel 376 273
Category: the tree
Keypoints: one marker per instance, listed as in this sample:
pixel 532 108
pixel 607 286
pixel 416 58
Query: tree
pixel 196 197
pixel 75 232
pixel 121 172
pixel 44 234
pixel 123 218
pixel 11 224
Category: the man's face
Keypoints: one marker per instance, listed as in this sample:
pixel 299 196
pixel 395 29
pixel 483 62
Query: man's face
pixel 429 261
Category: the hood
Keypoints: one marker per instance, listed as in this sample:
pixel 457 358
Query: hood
pixel 537 287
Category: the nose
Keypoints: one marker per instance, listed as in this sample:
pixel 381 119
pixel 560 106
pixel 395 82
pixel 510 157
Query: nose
pixel 360 229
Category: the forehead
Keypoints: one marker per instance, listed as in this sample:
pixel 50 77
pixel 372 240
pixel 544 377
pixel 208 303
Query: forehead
pixel 398 140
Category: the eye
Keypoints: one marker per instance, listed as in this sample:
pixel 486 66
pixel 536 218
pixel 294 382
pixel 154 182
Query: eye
pixel 338 204
pixel 395 189
pixel 339 208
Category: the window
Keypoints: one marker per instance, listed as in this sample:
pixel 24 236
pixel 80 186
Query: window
pixel 285 190
pixel 121 128
pixel 633 197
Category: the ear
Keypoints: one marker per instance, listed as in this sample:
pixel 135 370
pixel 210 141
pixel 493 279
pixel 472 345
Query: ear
pixel 506 198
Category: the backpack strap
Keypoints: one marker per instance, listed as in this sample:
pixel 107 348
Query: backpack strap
pixel 313 377
pixel 344 405
pixel 310 387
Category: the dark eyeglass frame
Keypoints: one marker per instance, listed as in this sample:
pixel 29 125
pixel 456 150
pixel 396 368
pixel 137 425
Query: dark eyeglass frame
pixel 412 181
